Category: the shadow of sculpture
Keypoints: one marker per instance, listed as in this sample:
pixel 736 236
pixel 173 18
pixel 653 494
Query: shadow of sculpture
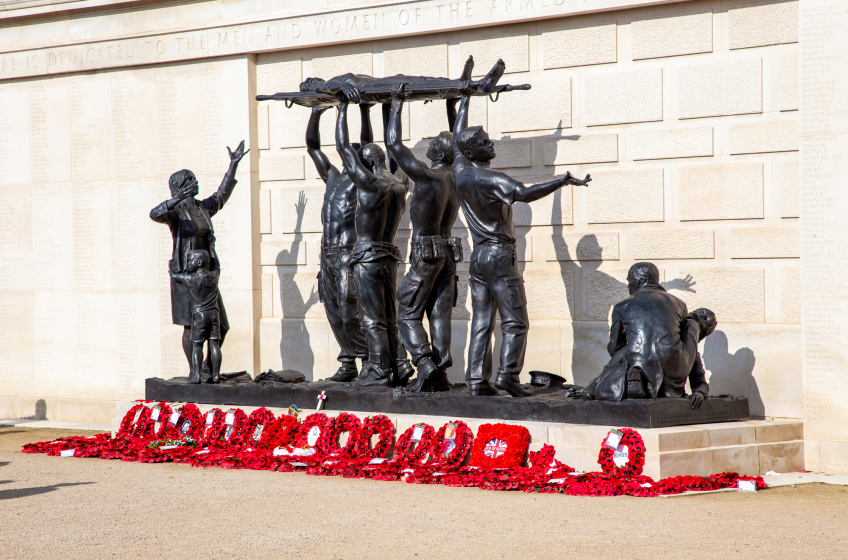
pixel 295 347
pixel 35 491
pixel 732 374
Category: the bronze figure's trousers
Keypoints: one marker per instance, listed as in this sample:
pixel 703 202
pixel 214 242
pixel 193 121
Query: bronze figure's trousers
pixel 375 276
pixel 336 292
pixel 429 287
pixel 496 283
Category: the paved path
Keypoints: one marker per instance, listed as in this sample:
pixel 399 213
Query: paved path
pixel 54 507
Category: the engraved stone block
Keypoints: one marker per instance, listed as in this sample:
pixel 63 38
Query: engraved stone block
pixel 285 250
pixel 281 168
pixel 680 244
pixel 790 295
pixel 606 288
pixel 755 23
pixel 433 116
pixel 554 209
pixel 667 144
pixel 735 295
pixel 624 97
pixel 299 296
pixel 577 42
pixel 267 295
pixel 550 294
pixel 264 139
pixel 720 192
pixel 732 87
pixel 288 126
pixel 772 243
pixel 284 208
pixel 582 247
pixel 511 153
pixel 577 149
pixel 326 67
pixel 419 60
pixel 554 93
pixel 278 72
pixel 486 49
pixel 785 176
pixel 786 83
pixel 264 211
pixel 755 138
pixel 674 34
pixel 626 196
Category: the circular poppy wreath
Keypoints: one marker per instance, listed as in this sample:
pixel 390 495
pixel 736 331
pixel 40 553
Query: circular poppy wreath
pixel 410 452
pixel 329 440
pixel 635 448
pixel 189 424
pixel 258 421
pixel 314 421
pixel 378 425
pixel 450 453
pixel 128 421
pixel 159 414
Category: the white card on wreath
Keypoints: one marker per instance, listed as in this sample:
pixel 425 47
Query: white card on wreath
pixel 613 439
pixel 230 419
pixel 175 416
pixel 746 485
pixel 70 453
pixel 376 461
pixel 154 414
pixel 417 433
pixel 210 416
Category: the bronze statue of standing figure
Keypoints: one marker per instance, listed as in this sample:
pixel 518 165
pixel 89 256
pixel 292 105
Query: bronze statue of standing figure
pixel 486 197
pixel 336 288
pixel 430 284
pixel 190 221
pixel 381 199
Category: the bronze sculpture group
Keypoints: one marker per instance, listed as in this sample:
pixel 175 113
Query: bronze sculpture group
pixel 653 340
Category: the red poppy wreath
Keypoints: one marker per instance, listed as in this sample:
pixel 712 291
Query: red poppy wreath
pixel 499 446
pixel 624 456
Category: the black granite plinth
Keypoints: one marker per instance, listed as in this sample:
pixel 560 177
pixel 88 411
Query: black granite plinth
pixel 545 405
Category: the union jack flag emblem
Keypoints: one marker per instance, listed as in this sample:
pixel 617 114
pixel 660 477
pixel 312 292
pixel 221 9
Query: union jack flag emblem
pixel 495 448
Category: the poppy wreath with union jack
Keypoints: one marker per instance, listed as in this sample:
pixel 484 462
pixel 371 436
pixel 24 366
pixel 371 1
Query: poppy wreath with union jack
pixel 635 455
pixel 499 446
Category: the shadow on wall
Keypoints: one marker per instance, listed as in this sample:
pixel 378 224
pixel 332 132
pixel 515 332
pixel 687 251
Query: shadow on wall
pixel 40 411
pixel 295 347
pixel 732 374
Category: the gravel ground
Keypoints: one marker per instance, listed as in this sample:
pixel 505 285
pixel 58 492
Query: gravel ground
pixel 53 507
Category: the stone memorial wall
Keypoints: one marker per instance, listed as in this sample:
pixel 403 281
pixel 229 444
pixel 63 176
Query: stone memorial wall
pixel 684 112
pixel 824 202
pixel 686 115
pixel 83 268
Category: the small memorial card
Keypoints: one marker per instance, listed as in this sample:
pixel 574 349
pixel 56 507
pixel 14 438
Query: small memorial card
pixel 210 416
pixel 137 414
pixel 185 427
pixel 228 433
pixel 613 439
pixel 67 453
pixel 166 447
pixel 376 461
pixel 257 433
pixel 621 456
pixel 417 433
pixel 450 438
pixel 154 414
pixel 175 416
pixel 299 465
pixel 742 485
pixel 230 418
pixel 557 480
pixel 313 435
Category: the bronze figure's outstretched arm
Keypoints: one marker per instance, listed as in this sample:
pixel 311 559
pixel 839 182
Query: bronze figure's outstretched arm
pixel 313 144
pixel 413 168
pixel 358 173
